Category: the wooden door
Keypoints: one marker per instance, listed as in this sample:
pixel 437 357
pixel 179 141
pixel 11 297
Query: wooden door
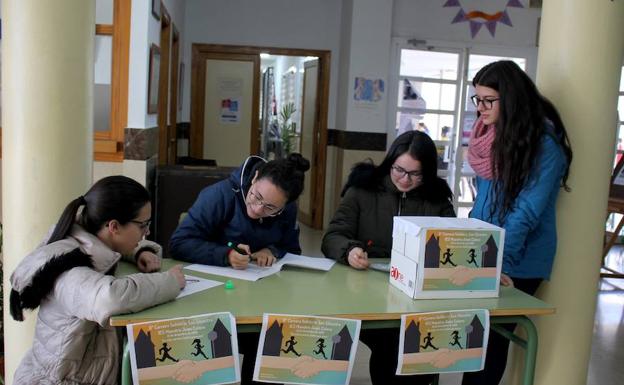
pixel 224 115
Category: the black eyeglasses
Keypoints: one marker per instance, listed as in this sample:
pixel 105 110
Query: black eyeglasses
pixel 267 208
pixel 143 225
pixel 400 172
pixel 487 103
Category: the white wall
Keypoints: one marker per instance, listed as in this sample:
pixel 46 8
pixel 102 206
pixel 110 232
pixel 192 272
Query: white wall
pixel 144 31
pixel 426 19
pixel 273 23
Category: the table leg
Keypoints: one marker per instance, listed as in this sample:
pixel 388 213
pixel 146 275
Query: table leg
pixel 529 345
pixel 126 371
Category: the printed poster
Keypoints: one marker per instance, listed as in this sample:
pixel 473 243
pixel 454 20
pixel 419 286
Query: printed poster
pixel 230 110
pixel 368 90
pixel 461 260
pixel 443 342
pixel 297 349
pixel 194 350
pixel 230 91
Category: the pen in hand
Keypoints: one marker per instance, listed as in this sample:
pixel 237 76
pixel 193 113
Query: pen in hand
pixel 191 280
pixel 241 258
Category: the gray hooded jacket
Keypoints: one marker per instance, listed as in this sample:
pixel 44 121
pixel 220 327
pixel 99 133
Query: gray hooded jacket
pixel 73 342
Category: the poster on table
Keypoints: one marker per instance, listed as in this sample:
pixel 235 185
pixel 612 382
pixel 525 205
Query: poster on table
pixel 297 349
pixel 201 349
pixel 443 342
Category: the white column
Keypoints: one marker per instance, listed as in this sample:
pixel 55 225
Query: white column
pixel 47 138
pixel 580 57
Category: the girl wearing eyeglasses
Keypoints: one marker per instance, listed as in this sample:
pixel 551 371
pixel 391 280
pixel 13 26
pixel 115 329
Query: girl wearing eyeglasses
pixel 255 210
pixel 520 151
pixel 405 183
pixel 70 278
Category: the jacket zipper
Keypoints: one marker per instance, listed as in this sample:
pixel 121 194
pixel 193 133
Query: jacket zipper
pixel 401 202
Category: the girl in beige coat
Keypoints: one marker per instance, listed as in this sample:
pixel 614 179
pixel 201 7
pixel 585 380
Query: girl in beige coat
pixel 70 277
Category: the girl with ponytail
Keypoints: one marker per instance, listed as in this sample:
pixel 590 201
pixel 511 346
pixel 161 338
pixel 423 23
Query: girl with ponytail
pixel 70 279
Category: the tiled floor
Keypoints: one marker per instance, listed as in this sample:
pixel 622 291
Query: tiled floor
pixel 607 356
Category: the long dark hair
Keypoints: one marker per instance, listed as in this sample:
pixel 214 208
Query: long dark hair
pixel 420 147
pixel 114 197
pixel 519 130
pixel 286 173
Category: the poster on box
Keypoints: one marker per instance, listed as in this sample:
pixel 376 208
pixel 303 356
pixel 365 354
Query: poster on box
pixel 195 350
pixel 443 342
pixel 461 260
pixel 296 349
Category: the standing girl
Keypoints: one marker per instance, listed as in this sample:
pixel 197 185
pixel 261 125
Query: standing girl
pixel 70 278
pixel 521 154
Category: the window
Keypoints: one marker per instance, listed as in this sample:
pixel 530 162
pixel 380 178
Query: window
pixel 110 93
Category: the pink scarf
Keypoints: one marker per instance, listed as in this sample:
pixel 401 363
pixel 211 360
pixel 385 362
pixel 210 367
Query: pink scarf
pixel 480 149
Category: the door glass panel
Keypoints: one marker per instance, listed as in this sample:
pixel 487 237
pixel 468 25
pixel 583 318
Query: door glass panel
pixel 432 124
pixel 621 108
pixel 103 48
pixel 104 11
pixel 434 65
pixel 426 95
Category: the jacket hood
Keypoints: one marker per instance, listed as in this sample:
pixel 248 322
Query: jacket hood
pixel 102 257
pixel 241 177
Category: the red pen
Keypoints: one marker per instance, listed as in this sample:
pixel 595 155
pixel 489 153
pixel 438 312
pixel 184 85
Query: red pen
pixel 369 243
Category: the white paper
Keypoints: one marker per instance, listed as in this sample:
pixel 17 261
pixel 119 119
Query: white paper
pixel 254 272
pixel 195 284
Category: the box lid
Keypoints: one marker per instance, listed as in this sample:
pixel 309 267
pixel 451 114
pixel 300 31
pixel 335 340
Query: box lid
pixel 414 225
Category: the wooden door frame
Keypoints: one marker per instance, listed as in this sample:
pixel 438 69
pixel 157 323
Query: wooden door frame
pixel 201 53
pixel 172 131
pixel 163 86
pixel 311 216
pixel 198 78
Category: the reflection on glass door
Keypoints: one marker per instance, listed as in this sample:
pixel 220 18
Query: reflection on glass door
pixel 427 96
pixel 433 91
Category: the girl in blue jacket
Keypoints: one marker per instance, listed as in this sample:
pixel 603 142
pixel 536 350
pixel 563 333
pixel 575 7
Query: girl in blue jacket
pixel 521 154
pixel 254 209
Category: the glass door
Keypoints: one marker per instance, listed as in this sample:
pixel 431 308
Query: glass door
pixel 427 90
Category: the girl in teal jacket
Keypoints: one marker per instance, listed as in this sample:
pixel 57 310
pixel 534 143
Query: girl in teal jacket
pixel 520 151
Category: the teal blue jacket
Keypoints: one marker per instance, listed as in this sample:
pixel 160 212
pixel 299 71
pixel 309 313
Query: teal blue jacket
pixel 530 226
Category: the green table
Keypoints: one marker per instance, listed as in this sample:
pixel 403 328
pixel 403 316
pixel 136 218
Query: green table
pixel 341 292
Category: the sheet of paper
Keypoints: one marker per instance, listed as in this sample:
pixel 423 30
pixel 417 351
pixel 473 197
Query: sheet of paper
pixel 443 342
pixel 198 350
pixel 254 272
pixel 196 284
pixel 324 264
pixel 300 349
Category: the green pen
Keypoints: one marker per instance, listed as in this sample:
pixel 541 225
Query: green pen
pixel 237 249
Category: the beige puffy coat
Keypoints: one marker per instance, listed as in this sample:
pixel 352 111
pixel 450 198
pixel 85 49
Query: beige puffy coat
pixel 74 343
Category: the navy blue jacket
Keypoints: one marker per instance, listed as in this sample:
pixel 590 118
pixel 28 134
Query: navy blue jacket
pixel 530 226
pixel 219 216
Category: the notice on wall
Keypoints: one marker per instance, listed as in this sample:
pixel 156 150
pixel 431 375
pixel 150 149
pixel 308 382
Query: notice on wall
pixel 368 93
pixel 193 350
pixel 296 349
pixel 230 91
pixel 443 342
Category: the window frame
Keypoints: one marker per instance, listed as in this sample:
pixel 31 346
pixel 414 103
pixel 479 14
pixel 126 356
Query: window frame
pixel 108 145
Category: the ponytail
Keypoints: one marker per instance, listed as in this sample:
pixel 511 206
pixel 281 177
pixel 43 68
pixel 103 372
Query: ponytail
pixel 67 219
pixel 287 174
